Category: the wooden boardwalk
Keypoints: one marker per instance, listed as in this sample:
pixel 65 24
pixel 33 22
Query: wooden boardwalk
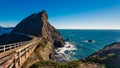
pixel 14 55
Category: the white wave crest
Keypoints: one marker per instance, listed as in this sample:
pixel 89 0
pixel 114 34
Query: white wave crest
pixel 67 47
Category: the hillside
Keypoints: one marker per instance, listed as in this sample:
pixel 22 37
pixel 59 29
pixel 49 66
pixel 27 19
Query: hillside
pixel 109 56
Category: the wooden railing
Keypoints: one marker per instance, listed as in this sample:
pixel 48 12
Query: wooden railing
pixel 7 47
pixel 19 56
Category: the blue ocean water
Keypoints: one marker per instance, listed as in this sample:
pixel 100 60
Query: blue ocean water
pixel 84 49
pixel 5 31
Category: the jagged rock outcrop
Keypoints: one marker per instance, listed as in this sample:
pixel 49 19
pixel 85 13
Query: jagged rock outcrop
pixel 37 25
pixel 108 56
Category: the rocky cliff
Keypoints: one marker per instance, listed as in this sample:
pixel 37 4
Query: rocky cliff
pixel 37 25
pixel 108 56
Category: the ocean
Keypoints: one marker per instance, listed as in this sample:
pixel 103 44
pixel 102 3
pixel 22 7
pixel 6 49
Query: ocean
pixel 5 31
pixel 78 47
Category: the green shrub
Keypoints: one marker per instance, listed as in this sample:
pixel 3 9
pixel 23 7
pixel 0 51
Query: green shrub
pixel 52 64
pixel 102 66
pixel 106 61
pixel 37 54
pixel 112 55
pixel 43 43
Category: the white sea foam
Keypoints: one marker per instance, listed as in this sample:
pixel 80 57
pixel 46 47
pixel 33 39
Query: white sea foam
pixel 67 47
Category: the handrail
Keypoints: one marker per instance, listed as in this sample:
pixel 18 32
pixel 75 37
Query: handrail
pixel 15 59
pixel 6 47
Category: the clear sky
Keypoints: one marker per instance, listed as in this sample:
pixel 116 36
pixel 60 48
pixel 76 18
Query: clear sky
pixel 64 14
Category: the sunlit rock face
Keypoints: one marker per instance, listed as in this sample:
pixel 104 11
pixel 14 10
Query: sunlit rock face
pixel 37 25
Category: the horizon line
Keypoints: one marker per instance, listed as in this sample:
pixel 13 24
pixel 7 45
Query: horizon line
pixel 76 28
pixel 88 29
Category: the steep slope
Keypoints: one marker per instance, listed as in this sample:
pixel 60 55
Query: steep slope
pixel 109 56
pixel 37 25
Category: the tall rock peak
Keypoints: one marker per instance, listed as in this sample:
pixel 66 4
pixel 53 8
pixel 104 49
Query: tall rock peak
pixel 43 14
pixel 37 25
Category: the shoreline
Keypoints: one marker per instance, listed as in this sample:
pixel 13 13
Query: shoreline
pixel 59 57
pixel 59 53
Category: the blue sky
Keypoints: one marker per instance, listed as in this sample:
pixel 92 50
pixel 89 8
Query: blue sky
pixel 64 14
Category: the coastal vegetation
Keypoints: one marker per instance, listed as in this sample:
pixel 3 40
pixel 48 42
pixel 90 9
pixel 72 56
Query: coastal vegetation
pixel 53 64
pixel 70 64
pixel 105 61
pixel 42 43
pixel 36 55
pixel 108 56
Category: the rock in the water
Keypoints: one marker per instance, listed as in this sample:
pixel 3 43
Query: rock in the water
pixel 90 41
pixel 37 25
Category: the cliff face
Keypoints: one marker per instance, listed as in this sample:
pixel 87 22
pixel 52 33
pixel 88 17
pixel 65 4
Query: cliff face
pixel 41 53
pixel 37 25
pixel 109 56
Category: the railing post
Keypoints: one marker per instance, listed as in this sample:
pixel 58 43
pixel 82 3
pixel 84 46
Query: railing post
pixel 15 62
pixel 10 46
pixel 19 58
pixel 29 50
pixel 15 45
pixel 18 44
pixel 4 48
pixel 25 53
